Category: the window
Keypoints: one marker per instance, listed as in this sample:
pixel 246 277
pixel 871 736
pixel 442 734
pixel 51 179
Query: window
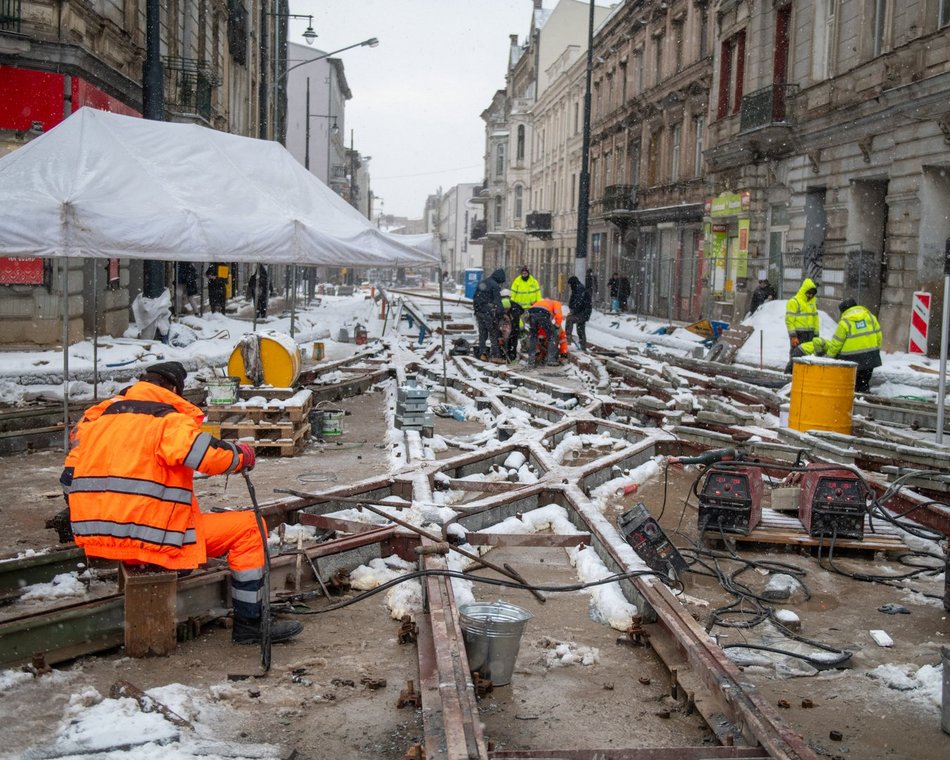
pixel 678 45
pixel 520 145
pixel 500 160
pixel 638 71
pixel 496 221
pixel 731 70
pixel 658 42
pixel 943 14
pixel 519 201
pixel 573 190
pixel 703 30
pixel 634 159
pixel 653 157
pixel 675 153
pixel 699 124
pixel 610 93
pixel 822 42
pixel 878 25
pixel 577 111
pixel 623 79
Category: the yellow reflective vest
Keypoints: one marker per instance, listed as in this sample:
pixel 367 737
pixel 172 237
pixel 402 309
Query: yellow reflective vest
pixel 800 313
pixel 525 292
pixel 857 338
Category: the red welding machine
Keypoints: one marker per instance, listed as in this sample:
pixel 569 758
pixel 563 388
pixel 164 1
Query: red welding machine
pixel 834 502
pixel 731 500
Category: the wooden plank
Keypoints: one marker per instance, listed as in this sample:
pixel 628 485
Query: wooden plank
pixel 150 601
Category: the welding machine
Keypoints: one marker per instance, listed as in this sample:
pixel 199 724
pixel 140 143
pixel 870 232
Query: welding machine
pixel 649 541
pixel 833 502
pixel 731 499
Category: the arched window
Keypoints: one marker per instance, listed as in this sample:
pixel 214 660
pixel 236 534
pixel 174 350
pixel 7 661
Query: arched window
pixel 520 148
pixel 519 201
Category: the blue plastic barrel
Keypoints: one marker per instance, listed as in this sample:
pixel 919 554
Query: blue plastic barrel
pixel 472 278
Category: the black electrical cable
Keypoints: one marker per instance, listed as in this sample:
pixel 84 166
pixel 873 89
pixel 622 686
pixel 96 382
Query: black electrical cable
pixel 474 578
pixel 888 580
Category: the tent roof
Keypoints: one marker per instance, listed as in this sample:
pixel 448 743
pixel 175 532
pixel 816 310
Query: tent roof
pixel 104 185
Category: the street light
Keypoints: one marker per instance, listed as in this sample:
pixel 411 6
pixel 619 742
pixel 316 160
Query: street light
pixel 583 190
pixel 371 42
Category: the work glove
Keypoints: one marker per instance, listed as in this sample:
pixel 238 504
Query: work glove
pixel 248 458
pixel 794 341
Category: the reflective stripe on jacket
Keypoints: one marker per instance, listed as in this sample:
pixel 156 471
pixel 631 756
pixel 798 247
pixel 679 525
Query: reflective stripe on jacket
pixel 131 496
pixel 857 338
pixel 525 292
pixel 800 313
pixel 553 306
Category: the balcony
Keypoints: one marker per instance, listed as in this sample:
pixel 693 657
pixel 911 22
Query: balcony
pixel 617 204
pixel 10 15
pixel 538 224
pixel 479 230
pixel 188 85
pixel 766 119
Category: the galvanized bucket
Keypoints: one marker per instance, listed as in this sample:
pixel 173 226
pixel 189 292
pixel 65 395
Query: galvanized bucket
pixel 492 634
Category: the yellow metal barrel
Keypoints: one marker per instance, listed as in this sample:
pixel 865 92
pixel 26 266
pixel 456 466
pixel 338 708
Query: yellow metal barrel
pixel 822 395
pixel 278 355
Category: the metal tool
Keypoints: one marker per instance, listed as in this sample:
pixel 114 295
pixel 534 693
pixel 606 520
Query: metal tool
pixel 265 601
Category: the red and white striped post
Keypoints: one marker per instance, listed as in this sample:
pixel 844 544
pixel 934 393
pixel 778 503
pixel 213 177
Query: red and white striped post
pixel 919 323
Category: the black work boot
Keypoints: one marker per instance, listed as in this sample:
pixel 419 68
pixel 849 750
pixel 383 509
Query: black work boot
pixel 248 630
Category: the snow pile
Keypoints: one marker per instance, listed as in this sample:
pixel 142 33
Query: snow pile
pixel 62 586
pixel 924 684
pixel 559 654
pixel 608 604
pixel 402 599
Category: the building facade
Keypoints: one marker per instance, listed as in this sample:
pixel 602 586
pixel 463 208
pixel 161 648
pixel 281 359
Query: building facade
pixel 457 215
pixel 217 63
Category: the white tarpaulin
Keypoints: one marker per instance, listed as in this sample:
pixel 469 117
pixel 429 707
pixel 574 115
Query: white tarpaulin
pixel 104 185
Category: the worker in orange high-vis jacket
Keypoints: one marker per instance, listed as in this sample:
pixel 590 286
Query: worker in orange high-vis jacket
pixel 129 485
pixel 545 319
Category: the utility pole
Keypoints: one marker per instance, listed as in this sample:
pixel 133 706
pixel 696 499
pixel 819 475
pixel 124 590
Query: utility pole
pixel 153 107
pixel 583 200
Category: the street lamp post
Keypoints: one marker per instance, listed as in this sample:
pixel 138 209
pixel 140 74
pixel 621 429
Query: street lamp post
pixel 583 200
pixel 309 36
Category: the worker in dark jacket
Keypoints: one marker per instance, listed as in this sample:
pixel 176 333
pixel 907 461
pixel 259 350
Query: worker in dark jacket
pixel 581 307
pixel 857 339
pixel 762 294
pixel 488 309
pixel 129 485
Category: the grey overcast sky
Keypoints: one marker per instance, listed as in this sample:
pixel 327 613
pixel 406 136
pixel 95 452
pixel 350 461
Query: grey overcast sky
pixel 418 96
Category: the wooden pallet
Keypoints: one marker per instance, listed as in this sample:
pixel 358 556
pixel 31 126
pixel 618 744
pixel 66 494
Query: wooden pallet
pixel 233 413
pixel 787 530
pixel 281 430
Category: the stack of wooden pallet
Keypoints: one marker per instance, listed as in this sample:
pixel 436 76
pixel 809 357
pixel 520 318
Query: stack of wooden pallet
pixel 272 420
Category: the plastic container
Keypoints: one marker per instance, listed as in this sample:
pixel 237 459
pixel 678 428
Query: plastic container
pixel 222 391
pixel 492 634
pixel 279 357
pixel 331 422
pixel 822 395
pixel 318 351
pixel 472 278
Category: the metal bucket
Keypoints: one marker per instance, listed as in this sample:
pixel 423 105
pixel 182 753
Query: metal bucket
pixel 222 391
pixel 492 633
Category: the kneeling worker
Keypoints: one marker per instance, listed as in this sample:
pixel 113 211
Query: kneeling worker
pixel 545 317
pixel 857 339
pixel 129 486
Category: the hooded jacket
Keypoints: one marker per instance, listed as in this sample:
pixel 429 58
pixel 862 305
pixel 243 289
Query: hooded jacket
pixel 131 495
pixel 800 313
pixel 857 338
pixel 487 298
pixel 525 292
pixel 580 300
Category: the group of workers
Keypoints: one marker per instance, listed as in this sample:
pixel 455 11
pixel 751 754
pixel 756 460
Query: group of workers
pixel 857 337
pixel 505 315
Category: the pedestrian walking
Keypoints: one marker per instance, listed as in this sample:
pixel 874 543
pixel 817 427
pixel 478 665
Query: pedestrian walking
pixel 581 308
pixel 762 294
pixel 258 288
pixel 525 290
pixel 801 315
pixel 619 288
pixel 857 338
pixel 590 282
pixel 544 320
pixel 624 291
pixel 486 303
pixel 129 485
pixel 186 288
pixel 217 275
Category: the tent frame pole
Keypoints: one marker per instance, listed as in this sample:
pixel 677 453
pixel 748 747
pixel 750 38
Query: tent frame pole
pixel 65 287
pixel 95 330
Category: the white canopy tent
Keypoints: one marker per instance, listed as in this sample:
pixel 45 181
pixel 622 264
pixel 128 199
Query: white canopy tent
pixel 102 185
pixel 110 186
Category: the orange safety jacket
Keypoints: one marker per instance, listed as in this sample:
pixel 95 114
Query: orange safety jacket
pixel 131 495
pixel 557 314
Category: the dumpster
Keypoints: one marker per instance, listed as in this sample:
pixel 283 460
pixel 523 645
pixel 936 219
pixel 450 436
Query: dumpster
pixel 472 278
